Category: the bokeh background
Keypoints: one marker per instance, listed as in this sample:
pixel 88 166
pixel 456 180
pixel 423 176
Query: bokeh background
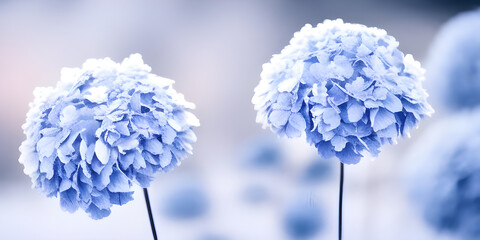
pixel 242 182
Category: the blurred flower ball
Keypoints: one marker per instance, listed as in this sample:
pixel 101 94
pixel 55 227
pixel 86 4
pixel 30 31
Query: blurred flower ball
pixel 346 86
pixel 186 200
pixel 102 128
pixel 262 154
pixel 444 175
pixel 454 62
pixel 303 220
pixel 317 171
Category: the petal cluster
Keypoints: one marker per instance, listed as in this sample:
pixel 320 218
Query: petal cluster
pixel 444 175
pixel 346 86
pixel 454 62
pixel 101 129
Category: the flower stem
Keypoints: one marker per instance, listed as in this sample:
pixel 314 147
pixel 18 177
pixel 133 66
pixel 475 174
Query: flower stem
pixel 340 201
pixel 150 215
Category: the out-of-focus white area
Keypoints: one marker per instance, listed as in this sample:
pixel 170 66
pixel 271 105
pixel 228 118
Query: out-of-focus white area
pixel 214 50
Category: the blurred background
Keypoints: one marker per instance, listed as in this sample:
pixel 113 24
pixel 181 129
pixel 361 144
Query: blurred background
pixel 242 182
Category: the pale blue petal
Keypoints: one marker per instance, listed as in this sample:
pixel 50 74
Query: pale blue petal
pixel 119 182
pixel 279 118
pixel 102 151
pixel 95 213
pixel 389 132
pixel 342 66
pixel 68 200
pixel 101 200
pixel 383 119
pixel 126 160
pixel 154 146
pixel 121 198
pixel 165 158
pixel 168 135
pixel 348 155
pixel 292 132
pixel 46 166
pixel 297 121
pixel 331 117
pixel 127 143
pixel 338 143
pixel 46 146
pixel 392 103
pixel 355 112
pixel 139 161
pixel 287 85
pixel 325 149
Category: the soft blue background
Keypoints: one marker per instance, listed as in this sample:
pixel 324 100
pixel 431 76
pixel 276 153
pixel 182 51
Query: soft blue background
pixel 214 49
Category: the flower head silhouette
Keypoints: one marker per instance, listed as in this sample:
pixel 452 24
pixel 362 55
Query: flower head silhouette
pixel 454 62
pixel 101 129
pixel 444 172
pixel 346 86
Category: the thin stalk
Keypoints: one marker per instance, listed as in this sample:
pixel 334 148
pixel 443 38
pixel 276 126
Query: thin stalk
pixel 150 215
pixel 340 203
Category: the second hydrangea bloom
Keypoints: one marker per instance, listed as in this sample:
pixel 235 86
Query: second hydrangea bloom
pixel 346 86
pixel 103 128
pixel 454 62
pixel 444 174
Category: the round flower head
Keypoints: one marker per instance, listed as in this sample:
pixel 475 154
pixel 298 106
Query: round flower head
pixel 454 62
pixel 444 175
pixel 101 129
pixel 347 86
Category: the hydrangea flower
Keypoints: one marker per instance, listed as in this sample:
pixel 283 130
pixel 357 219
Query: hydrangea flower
pixel 101 129
pixel 448 192
pixel 346 86
pixel 454 62
pixel 303 220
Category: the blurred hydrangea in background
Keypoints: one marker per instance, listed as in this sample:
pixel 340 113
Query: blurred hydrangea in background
pixel 317 171
pixel 264 158
pixel 185 199
pixel 262 153
pixel 101 129
pixel 303 219
pixel 346 86
pixel 444 175
pixel 454 62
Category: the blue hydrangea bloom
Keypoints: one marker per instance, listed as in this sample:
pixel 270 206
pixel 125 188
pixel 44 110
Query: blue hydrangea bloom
pixel 187 200
pixel 444 175
pixel 101 129
pixel 346 86
pixel 454 62
pixel 303 220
